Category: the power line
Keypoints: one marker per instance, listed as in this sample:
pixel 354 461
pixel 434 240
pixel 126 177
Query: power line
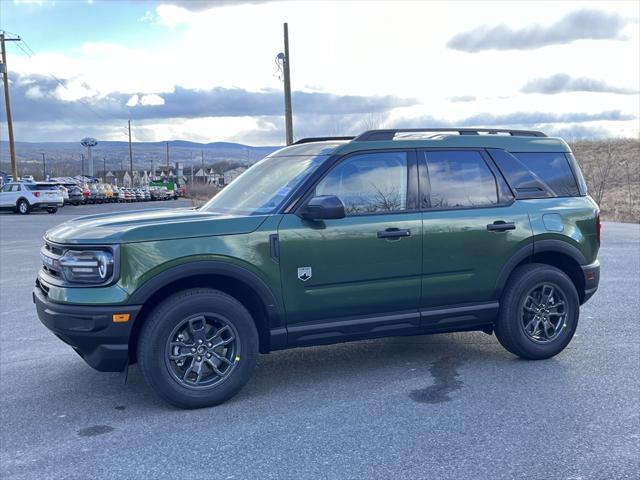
pixel 58 81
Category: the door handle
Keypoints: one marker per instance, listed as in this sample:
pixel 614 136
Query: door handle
pixel 394 233
pixel 501 226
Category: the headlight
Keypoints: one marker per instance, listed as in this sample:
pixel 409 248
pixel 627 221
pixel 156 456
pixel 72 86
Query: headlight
pixel 87 266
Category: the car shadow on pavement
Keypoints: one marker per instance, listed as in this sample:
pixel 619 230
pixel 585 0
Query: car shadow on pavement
pixel 424 369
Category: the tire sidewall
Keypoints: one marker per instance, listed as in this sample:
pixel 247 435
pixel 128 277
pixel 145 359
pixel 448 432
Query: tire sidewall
pixel 162 322
pixel 27 207
pixel 512 314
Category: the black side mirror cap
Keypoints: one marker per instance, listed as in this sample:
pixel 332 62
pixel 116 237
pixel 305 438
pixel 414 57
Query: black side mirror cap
pixel 324 207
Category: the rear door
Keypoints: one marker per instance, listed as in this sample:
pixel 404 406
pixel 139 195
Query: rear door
pixel 471 227
pixel 361 273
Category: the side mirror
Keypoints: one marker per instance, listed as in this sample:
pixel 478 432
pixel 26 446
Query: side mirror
pixel 324 207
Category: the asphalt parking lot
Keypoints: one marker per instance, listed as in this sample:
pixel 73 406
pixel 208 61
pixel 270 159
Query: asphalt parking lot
pixel 454 406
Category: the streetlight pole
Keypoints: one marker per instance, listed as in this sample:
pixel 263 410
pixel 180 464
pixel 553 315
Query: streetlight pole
pixel 44 168
pixel 288 116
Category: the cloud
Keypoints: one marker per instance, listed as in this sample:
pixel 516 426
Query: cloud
pixel 200 5
pixel 536 118
pixel 516 119
pixel 462 98
pixel 577 25
pixel 576 132
pixel 38 98
pixel 564 83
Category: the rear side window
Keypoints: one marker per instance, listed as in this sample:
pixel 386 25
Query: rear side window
pixel 36 187
pixel 459 179
pixel 553 169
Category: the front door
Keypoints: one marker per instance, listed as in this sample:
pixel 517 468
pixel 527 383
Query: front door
pixel 472 227
pixel 9 195
pixel 359 274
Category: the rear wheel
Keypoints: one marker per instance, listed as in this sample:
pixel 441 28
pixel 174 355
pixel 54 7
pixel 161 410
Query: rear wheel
pixel 23 207
pixel 539 312
pixel 52 210
pixel 198 348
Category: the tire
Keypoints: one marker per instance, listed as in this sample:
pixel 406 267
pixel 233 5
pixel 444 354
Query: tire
pixel 23 207
pixel 52 210
pixel 518 311
pixel 165 323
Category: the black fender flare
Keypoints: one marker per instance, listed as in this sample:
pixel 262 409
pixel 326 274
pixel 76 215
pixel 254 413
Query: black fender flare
pixel 272 305
pixel 527 251
pixel 559 246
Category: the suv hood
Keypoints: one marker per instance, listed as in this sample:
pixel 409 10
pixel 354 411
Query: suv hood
pixel 150 225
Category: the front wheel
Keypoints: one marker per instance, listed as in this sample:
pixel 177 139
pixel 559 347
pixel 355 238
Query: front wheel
pixel 539 312
pixel 198 348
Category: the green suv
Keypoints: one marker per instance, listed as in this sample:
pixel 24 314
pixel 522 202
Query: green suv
pixel 393 232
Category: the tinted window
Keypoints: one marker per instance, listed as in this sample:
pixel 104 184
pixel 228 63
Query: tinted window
pixel 372 182
pixel 35 186
pixel 15 188
pixel 460 179
pixel 553 169
pixel 5 188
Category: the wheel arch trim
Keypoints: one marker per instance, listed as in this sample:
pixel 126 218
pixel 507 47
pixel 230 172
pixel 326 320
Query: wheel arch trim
pixel 528 251
pixel 196 268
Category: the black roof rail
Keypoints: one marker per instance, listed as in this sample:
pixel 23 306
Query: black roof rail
pixel 320 139
pixel 389 134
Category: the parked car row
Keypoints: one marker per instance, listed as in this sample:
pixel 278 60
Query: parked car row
pixel 105 193
pixel 25 196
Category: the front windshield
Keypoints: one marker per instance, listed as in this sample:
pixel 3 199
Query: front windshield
pixel 263 187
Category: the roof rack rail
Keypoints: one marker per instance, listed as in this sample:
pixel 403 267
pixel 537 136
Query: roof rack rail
pixel 320 139
pixel 389 134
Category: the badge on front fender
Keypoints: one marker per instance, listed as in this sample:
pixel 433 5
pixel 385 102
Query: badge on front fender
pixel 304 273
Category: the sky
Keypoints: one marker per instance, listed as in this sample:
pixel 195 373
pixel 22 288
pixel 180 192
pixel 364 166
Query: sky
pixel 206 70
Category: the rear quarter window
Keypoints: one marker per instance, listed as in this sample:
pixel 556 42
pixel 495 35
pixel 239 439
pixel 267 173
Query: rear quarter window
pixel 553 169
pixel 36 187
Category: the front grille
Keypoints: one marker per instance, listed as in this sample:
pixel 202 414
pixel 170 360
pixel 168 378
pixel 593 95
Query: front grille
pixel 50 254
pixel 43 288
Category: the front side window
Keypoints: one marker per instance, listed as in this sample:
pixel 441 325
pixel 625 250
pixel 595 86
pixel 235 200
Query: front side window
pixel 460 179
pixel 369 183
pixel 261 189
pixel 5 188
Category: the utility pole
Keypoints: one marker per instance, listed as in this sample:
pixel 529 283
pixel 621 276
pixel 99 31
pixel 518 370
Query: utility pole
pixel 7 101
pixel 83 164
pixel 104 168
pixel 44 168
pixel 167 143
pixel 130 154
pixel 287 88
pixel 204 173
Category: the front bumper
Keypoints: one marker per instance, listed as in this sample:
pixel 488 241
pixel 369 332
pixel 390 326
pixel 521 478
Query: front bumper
pixel 591 279
pixel 89 330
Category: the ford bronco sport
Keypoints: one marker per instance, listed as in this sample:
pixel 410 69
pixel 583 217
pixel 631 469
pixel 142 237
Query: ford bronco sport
pixel 393 232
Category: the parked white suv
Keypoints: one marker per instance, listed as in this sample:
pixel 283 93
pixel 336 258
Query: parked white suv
pixel 26 197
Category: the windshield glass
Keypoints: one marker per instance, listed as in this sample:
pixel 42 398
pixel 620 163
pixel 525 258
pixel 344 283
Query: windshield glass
pixel 263 187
